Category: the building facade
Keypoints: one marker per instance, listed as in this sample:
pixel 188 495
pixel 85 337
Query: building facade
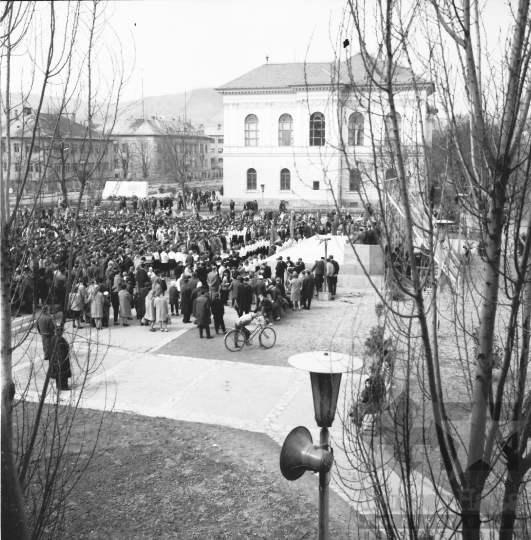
pixel 216 134
pixel 158 149
pixel 64 153
pixel 294 132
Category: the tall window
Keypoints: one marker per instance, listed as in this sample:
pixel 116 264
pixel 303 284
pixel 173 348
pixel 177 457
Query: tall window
pixel 390 173
pixel 355 129
pixel 251 130
pixel 317 129
pixel 285 179
pixel 354 180
pixel 285 130
pixel 251 179
pixel 389 131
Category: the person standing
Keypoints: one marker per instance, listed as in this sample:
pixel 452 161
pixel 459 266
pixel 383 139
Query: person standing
pixel 161 311
pixel 173 295
pixel 186 301
pixel 334 281
pixel 330 271
pixel 60 360
pixel 150 311
pixel 213 281
pixel 280 269
pixel 202 314
pixel 218 311
pixel 308 285
pixel 245 297
pixel 77 303
pixel 318 270
pixel 46 328
pixel 296 289
pixel 125 303
pixel 96 308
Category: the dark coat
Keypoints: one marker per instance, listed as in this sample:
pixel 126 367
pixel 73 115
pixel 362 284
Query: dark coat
pixel 142 277
pixel 267 272
pixel 260 287
pixel 174 295
pixel 202 310
pixel 319 267
pixel 245 297
pixel 60 360
pixel 218 310
pixel 186 299
pixel 46 328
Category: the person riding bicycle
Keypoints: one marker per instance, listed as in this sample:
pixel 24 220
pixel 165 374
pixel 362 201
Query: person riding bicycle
pixel 243 321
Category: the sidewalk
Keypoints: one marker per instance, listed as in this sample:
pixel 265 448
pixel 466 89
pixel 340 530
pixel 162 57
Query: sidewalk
pixel 123 370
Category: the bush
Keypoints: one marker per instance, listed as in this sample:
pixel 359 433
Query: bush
pixel 375 342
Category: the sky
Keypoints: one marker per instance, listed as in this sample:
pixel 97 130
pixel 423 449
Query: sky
pixel 186 44
pixel 203 43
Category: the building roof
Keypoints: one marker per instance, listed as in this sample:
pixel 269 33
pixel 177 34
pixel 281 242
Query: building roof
pixel 153 127
pixel 353 71
pixel 50 125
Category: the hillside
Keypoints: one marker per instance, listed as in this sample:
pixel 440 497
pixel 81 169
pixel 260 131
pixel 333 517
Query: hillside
pixel 203 106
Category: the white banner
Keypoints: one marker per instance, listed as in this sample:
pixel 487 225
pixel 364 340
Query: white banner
pixel 123 188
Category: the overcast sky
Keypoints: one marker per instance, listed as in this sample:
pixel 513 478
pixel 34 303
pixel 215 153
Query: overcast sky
pixel 178 44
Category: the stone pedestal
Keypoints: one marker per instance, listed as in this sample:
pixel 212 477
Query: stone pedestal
pixel 326 296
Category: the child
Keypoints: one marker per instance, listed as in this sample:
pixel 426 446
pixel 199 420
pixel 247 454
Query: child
pixel 217 312
pixel 174 298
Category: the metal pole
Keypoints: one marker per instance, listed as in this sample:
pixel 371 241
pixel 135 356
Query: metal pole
pixel 324 481
pixel 325 281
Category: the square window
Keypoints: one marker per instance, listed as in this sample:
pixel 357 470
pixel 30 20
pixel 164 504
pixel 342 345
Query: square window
pixel 16 148
pixel 316 185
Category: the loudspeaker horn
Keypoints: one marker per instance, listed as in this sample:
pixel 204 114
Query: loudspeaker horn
pixel 299 455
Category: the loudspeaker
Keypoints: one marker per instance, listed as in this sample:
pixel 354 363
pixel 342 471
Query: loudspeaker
pixel 299 455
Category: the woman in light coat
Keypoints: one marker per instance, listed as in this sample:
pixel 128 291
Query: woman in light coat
pixel 161 310
pixel 296 288
pixel 96 308
pixel 150 311
pixel 125 301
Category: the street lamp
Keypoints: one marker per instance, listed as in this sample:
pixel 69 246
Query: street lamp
pixel 299 454
pixel 262 187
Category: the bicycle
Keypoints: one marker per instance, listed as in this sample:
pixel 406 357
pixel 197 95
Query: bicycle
pixel 235 339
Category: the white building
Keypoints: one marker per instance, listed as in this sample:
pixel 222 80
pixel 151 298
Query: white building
pixel 299 133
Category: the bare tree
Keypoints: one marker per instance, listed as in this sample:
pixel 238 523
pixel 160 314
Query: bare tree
pixel 476 420
pixel 34 448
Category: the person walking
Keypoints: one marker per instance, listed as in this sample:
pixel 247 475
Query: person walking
pixel 218 311
pixel 202 314
pixel 161 311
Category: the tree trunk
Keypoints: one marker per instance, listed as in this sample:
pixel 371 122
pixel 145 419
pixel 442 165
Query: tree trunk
pixel 510 498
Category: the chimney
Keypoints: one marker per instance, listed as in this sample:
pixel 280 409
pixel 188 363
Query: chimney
pixel 26 111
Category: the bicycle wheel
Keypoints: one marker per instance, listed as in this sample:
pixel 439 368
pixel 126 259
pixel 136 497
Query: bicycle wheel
pixel 234 341
pixel 268 337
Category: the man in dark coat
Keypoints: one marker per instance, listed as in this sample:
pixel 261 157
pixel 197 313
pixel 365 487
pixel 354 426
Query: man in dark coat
pixel 186 301
pixel 319 273
pixel 141 305
pixel 336 272
pixel 267 272
pixel 141 275
pixel 244 298
pixel 235 287
pixel 260 289
pixel 60 361
pixel 174 299
pixel 193 281
pixel 46 328
pixel 308 285
pixel 218 310
pixel 280 269
pixel 202 313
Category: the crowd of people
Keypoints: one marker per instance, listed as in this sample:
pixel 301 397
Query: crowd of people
pixel 154 264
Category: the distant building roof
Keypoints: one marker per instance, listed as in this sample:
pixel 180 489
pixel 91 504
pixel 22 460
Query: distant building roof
pixel 153 127
pixel 214 131
pixel 50 125
pixel 353 71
